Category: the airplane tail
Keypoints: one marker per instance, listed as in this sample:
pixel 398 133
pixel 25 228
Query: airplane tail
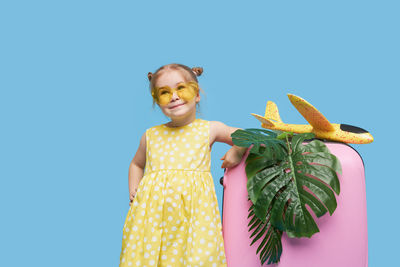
pixel 271 117
pixel 272 113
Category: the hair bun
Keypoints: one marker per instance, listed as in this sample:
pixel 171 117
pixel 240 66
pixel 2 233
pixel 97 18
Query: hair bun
pixel 149 75
pixel 197 70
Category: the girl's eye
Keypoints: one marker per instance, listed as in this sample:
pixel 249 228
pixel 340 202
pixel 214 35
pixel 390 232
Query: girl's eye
pixel 163 92
pixel 181 87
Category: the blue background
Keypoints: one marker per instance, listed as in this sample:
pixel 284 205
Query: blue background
pixel 74 102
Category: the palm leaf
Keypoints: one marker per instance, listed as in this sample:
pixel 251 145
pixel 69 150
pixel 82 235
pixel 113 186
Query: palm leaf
pixel 270 247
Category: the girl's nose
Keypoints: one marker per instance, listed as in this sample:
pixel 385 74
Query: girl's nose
pixel 175 96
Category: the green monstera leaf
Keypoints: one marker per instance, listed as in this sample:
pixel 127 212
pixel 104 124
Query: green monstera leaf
pixel 263 142
pixel 284 174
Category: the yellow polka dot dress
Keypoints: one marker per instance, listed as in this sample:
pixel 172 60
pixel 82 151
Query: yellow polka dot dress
pixel 174 219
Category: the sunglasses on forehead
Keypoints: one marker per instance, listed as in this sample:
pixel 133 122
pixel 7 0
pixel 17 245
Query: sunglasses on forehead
pixel 186 91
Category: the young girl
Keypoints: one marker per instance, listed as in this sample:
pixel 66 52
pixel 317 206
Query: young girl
pixel 174 218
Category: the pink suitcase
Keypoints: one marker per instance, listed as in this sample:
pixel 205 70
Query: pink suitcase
pixel 342 240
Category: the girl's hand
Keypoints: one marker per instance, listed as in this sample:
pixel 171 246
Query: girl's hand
pixel 233 157
pixel 132 195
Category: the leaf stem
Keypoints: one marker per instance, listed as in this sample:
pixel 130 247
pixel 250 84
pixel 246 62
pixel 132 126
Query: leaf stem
pixel 292 166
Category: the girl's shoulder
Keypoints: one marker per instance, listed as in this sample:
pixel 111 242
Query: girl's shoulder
pixel 220 132
pixel 152 131
pixel 155 128
pixel 216 127
pixel 202 121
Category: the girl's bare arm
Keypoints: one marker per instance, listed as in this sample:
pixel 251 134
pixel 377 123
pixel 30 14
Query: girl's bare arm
pixel 136 168
pixel 219 132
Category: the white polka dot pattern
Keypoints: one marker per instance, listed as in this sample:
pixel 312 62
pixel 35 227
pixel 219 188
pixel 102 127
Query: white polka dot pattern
pixel 174 219
pixel 182 148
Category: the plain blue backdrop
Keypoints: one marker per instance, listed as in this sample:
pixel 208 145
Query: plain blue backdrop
pixel 74 102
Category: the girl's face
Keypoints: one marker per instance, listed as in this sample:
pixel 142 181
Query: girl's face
pixel 177 108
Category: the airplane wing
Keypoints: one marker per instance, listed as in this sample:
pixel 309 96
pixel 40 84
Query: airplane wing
pixel 263 120
pixel 311 114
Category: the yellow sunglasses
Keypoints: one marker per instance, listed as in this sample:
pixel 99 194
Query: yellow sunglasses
pixel 186 91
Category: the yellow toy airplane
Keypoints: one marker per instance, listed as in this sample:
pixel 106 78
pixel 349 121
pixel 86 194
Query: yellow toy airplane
pixel 319 125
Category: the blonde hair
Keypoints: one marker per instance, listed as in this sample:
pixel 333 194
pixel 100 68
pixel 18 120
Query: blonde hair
pixel 189 74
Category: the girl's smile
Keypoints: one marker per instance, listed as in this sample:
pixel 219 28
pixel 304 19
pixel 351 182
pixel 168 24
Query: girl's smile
pixel 176 106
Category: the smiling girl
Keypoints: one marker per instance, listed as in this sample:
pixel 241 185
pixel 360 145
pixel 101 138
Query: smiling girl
pixel 174 218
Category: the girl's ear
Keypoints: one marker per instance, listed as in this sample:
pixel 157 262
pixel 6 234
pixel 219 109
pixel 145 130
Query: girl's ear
pixel 198 97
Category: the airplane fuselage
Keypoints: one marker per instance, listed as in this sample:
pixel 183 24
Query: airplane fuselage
pixel 341 133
